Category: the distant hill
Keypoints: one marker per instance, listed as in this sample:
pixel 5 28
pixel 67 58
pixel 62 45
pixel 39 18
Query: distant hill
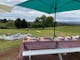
pixel 69 23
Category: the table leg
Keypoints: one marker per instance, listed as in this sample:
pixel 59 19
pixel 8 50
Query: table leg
pixel 29 57
pixel 60 56
pixel 64 53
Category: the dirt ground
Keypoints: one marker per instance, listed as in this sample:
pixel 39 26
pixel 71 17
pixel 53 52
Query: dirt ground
pixel 12 54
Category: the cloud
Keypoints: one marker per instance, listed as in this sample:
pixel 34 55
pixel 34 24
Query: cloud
pixel 11 2
pixel 30 14
pixel 71 16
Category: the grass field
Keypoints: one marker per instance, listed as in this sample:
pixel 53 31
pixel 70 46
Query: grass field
pixel 6 45
pixel 65 30
pixel 69 30
pixel 60 31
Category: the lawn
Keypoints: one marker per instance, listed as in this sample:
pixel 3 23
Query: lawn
pixel 12 31
pixel 6 45
pixel 60 31
pixel 69 30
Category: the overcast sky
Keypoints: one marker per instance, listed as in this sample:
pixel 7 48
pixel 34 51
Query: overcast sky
pixel 30 15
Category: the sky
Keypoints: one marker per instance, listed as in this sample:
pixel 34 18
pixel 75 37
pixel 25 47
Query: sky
pixel 30 15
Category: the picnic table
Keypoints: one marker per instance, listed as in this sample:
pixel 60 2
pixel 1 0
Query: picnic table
pixel 47 46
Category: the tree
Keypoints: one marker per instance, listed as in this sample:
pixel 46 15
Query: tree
pixel 37 20
pixel 43 20
pixel 18 23
pixel 24 24
pixel 10 24
pixel 40 22
pixel 37 23
pixel 5 20
pixel 49 21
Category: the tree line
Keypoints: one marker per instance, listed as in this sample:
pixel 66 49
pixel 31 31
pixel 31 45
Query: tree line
pixel 39 22
pixel 43 22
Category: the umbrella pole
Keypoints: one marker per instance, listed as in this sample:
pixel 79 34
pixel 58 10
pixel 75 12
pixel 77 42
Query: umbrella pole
pixel 55 7
pixel 55 24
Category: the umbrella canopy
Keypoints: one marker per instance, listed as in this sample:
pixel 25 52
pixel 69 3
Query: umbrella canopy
pixel 5 8
pixel 49 6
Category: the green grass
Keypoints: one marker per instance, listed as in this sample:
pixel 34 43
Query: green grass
pixel 69 30
pixel 12 31
pixel 42 32
pixel 45 32
pixel 63 30
pixel 5 45
pixel 60 31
